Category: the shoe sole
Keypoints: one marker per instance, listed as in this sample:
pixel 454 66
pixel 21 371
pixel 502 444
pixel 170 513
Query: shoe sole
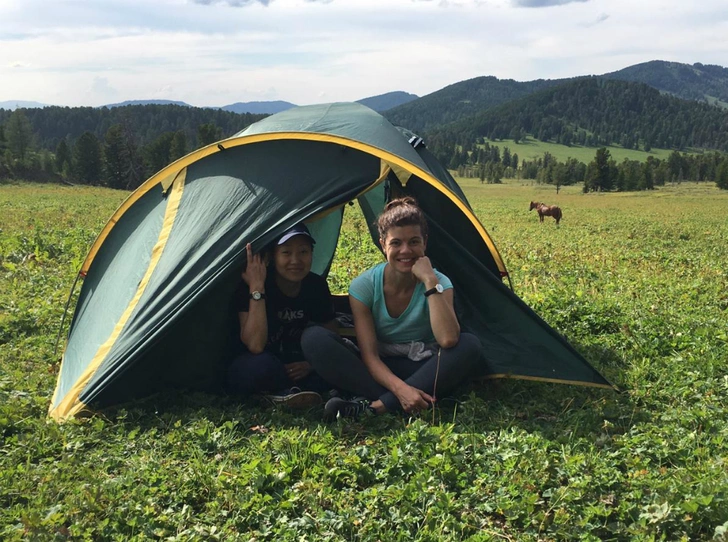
pixel 304 399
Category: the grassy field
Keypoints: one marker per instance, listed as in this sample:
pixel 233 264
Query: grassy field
pixel 638 282
pixel 530 149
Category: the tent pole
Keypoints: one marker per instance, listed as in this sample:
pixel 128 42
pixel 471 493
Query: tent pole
pixel 510 283
pixel 65 312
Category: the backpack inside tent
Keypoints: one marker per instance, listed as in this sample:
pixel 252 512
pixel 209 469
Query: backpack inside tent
pixel 154 311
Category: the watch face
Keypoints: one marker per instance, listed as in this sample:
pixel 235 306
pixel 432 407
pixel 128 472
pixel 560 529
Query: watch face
pixel 256 296
pixel 439 288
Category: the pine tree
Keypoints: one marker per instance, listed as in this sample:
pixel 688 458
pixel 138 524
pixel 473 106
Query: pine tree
pixel 676 165
pixel 178 147
pixel 495 172
pixel 63 157
pixel 115 161
pixel 19 135
pixel 721 175
pixel 87 159
pixel 158 152
pixel 506 159
pixel 646 179
pixel 135 172
pixel 599 172
pixel 207 134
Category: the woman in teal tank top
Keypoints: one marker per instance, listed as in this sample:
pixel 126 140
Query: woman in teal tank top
pixel 408 335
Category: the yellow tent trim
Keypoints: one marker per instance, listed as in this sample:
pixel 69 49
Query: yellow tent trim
pixel 70 405
pixel 402 174
pixel 171 172
pixel 393 161
pixel 551 380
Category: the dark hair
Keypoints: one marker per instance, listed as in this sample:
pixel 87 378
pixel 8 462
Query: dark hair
pixel 401 212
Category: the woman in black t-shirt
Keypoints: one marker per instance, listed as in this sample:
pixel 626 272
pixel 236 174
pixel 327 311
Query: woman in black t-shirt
pixel 276 302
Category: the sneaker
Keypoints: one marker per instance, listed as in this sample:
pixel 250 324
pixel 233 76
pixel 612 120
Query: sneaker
pixel 337 407
pixel 295 398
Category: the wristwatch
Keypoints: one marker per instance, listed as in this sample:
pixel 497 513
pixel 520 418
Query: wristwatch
pixel 438 289
pixel 257 296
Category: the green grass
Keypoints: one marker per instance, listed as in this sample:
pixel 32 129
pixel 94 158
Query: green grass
pixel 712 100
pixel 637 281
pixel 531 149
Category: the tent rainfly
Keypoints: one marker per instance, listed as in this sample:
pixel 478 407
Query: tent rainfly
pixel 154 310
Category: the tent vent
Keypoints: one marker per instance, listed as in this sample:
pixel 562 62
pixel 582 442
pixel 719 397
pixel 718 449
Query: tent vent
pixel 417 141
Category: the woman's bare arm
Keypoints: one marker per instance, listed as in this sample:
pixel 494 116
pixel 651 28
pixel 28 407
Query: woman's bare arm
pixel 254 323
pixel 443 320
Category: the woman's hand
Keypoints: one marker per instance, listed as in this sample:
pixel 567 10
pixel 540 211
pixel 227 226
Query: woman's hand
pixel 255 271
pixel 298 370
pixel 422 270
pixel 413 400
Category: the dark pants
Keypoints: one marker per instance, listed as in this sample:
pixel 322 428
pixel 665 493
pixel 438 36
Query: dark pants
pixel 342 366
pixel 249 374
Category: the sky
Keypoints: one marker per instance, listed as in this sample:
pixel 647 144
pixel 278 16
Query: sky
pixel 218 52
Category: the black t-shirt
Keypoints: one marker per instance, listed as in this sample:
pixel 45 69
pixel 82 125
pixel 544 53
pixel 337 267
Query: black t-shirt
pixel 288 316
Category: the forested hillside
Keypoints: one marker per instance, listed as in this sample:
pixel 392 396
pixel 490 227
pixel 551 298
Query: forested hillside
pixel 596 112
pixel 118 147
pixel 699 82
pixel 462 100
pixel 385 102
pixel 147 122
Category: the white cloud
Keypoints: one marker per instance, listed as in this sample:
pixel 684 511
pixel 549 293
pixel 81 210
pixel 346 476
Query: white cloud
pixel 600 19
pixel 232 3
pixel 101 90
pixel 543 3
pixel 209 52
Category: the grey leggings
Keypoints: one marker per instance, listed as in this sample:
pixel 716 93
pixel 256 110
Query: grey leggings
pixel 343 368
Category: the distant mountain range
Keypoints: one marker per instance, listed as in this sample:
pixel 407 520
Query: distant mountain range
pixel 12 105
pixel 654 104
pixel 268 108
pixel 379 103
pixel 146 102
pixel 385 102
pixel 698 82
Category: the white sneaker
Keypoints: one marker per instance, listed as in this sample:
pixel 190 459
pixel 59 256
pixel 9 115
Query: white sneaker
pixel 295 398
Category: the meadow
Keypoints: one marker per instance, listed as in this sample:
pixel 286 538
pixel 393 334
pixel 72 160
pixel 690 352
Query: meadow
pixel 532 149
pixel 638 282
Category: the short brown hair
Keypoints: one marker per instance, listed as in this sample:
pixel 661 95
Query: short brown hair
pixel 401 212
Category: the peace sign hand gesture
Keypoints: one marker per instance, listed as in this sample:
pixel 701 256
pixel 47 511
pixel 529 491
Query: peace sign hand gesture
pixel 255 270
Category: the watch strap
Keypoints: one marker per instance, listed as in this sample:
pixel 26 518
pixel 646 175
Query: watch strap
pixel 434 290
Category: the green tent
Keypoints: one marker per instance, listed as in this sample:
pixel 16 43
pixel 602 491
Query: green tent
pixel 154 311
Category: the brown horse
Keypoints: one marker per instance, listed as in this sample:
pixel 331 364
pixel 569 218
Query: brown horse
pixel 546 210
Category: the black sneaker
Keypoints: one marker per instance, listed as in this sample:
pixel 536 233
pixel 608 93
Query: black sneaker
pixel 295 398
pixel 337 407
